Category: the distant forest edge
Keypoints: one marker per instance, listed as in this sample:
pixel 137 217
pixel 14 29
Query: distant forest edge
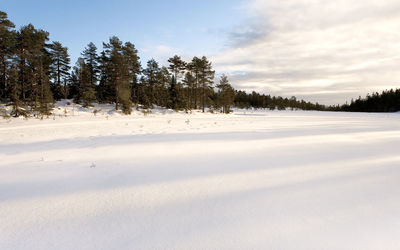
pixel 34 73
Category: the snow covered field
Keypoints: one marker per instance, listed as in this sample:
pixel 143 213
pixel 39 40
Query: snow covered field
pixel 248 180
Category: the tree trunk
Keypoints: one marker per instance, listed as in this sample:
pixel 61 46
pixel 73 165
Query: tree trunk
pixel 65 89
pixel 116 92
pixel 4 78
pixel 22 74
pixel 203 97
pixel 58 72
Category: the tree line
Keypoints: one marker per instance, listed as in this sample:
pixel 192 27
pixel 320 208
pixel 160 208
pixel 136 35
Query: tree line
pixel 34 73
pixel 386 101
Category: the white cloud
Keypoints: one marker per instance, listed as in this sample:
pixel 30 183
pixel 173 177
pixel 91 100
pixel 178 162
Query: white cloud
pixel 160 53
pixel 325 51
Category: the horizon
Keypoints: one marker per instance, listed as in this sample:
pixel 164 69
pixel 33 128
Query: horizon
pixel 262 46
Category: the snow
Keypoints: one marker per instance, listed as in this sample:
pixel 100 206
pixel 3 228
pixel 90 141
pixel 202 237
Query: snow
pixel 166 180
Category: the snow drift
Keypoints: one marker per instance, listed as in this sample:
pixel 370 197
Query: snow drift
pixel 165 180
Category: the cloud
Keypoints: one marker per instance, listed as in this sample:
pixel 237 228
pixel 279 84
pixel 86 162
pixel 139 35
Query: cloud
pixel 325 51
pixel 247 33
pixel 160 53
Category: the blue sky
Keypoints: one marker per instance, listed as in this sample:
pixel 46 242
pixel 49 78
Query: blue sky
pixel 321 51
pixel 195 27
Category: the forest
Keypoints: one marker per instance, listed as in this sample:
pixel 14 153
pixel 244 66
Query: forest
pixel 387 101
pixel 35 72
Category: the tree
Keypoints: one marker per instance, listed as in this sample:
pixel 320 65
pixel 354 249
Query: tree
pixel 6 45
pixel 132 59
pixel 105 89
pixel 15 91
pixel 86 93
pixel 150 78
pixel 59 69
pixel 117 68
pixel 92 61
pixel 194 69
pixel 226 94
pixel 177 66
pixel 205 76
pixel 189 83
pixel 34 63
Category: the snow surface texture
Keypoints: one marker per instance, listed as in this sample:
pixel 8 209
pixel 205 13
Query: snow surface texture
pixel 248 180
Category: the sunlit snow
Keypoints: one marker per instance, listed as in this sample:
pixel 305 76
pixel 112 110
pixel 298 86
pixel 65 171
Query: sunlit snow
pixel 165 180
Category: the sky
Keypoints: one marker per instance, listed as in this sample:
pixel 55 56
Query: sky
pixel 321 51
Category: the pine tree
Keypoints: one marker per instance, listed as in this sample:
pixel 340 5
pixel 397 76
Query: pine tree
pixel 34 62
pixel 87 93
pixel 177 67
pixel 204 78
pixel 162 89
pixel 150 79
pixel 59 70
pixel 73 84
pixel 176 96
pixel 105 89
pixel 6 46
pixel 226 94
pixel 194 69
pixel 92 61
pixel 15 91
pixel 44 95
pixel 189 83
pixel 118 70
pixel 132 60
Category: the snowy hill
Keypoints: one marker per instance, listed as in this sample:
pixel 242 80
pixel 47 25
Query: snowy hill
pixel 167 180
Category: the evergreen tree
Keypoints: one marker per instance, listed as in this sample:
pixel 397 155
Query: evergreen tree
pixel 59 70
pixel 6 45
pixel 226 94
pixel 132 59
pixel 44 95
pixel 34 63
pixel 194 69
pixel 92 62
pixel 73 84
pixel 177 67
pixel 86 92
pixel 150 79
pixel 46 101
pixel 173 94
pixel 162 88
pixel 205 76
pixel 105 89
pixel 189 83
pixel 118 70
pixel 15 91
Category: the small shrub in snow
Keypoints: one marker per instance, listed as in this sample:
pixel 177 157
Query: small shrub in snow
pixel 4 113
pixel 146 112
